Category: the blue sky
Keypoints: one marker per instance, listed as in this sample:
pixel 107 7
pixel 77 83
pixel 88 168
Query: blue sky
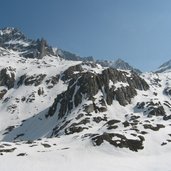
pixel 137 31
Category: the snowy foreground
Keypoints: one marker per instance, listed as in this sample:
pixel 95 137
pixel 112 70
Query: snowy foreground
pixel 58 154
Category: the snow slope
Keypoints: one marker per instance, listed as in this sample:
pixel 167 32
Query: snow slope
pixel 66 154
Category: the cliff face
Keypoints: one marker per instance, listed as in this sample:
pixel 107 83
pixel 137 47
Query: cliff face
pixel 85 85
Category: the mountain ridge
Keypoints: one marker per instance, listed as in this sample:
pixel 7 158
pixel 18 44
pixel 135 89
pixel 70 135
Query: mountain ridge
pixel 13 38
pixel 81 100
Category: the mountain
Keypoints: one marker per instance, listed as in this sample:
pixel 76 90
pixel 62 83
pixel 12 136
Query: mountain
pixel 164 67
pixel 118 64
pixel 12 38
pixel 79 113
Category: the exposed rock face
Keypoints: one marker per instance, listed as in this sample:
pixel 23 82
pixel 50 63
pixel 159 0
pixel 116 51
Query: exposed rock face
pixel 52 81
pixel 86 85
pixel 122 141
pixel 151 109
pixel 122 94
pixel 7 77
pixel 2 93
pixel 69 73
pixel 34 80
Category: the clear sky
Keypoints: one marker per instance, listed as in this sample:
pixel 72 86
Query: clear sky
pixel 137 31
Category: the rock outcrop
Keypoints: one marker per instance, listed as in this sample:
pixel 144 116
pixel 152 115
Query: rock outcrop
pixel 7 77
pixel 85 85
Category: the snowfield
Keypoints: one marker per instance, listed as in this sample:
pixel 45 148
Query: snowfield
pixel 66 155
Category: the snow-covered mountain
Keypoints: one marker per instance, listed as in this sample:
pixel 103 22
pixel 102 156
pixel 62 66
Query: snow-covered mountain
pixel 13 39
pixel 118 64
pixel 66 110
pixel 164 67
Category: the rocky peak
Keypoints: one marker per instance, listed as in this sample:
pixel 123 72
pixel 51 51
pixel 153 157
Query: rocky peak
pixel 12 38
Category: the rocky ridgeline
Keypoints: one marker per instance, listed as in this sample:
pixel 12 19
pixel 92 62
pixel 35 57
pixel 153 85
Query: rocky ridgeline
pixel 85 85
pixel 12 38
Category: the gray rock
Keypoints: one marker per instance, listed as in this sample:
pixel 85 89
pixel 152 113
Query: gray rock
pixel 7 77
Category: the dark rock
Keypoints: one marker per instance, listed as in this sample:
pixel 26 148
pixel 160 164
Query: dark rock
pixel 97 119
pixel 102 109
pixel 164 143
pixel 154 128
pixel 165 117
pixel 51 82
pixel 126 124
pixel 134 117
pixel 21 80
pixel 29 142
pixel 23 99
pixel 40 91
pixel 122 141
pixel 46 145
pixel 9 129
pixel 22 154
pixel 166 103
pixel 57 128
pixel 34 80
pixel 31 98
pixel 7 77
pixel 19 135
pixel 143 132
pixel 112 122
pixel 159 111
pixel 140 105
pixel 74 129
pixel 79 116
pixel 7 150
pixel 69 73
pixel 2 93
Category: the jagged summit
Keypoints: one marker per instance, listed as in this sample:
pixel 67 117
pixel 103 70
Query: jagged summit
pixel 13 39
